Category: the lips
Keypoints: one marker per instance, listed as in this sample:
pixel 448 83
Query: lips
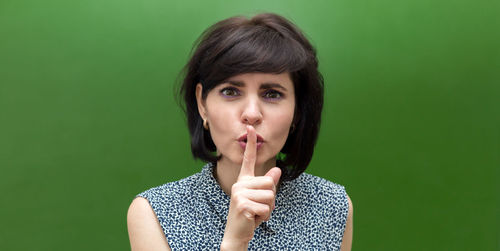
pixel 243 141
pixel 244 138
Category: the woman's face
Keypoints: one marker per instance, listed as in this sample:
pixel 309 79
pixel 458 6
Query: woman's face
pixel 264 100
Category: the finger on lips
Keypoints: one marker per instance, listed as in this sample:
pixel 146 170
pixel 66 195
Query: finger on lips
pixel 255 196
pixel 250 154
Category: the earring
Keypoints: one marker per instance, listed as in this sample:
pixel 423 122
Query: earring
pixel 205 124
pixel 292 128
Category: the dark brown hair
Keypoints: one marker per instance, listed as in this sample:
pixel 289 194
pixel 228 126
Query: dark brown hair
pixel 266 43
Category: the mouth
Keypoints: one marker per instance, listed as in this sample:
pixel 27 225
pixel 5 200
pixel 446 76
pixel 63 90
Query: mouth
pixel 244 138
pixel 243 141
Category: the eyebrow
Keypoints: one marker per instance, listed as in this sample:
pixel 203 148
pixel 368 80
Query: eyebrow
pixel 262 86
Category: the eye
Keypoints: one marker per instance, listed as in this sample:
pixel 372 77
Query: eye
pixel 229 92
pixel 272 94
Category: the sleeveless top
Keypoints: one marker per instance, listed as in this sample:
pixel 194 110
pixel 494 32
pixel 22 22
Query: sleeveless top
pixel 310 214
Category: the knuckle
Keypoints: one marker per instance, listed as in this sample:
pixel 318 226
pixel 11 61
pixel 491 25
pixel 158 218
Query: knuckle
pixel 238 195
pixel 268 182
pixel 269 194
pixel 264 212
pixel 237 186
pixel 248 215
pixel 241 206
pixel 234 189
pixel 268 216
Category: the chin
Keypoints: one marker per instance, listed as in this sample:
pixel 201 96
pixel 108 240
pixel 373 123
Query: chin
pixel 238 160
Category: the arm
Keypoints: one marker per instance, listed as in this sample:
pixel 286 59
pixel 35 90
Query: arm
pixel 144 230
pixel 347 240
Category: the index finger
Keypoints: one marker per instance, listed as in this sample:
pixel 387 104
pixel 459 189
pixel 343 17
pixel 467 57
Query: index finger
pixel 250 154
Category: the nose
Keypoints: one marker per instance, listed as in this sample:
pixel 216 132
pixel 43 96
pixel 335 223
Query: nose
pixel 251 114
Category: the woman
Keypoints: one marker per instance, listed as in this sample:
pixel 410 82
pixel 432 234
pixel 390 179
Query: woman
pixel 253 98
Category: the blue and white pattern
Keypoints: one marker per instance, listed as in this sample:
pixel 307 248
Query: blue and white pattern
pixel 310 214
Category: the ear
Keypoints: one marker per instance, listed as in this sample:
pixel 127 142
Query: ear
pixel 199 101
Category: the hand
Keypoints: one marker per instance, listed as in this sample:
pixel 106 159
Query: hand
pixel 252 198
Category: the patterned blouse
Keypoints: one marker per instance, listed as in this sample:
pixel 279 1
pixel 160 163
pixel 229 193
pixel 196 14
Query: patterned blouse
pixel 310 214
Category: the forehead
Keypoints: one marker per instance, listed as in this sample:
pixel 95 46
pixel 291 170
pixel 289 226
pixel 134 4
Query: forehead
pixel 251 79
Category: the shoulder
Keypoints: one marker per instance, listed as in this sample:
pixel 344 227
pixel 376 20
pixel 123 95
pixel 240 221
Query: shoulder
pixel 140 214
pixel 167 202
pixel 143 227
pixel 333 199
pixel 321 187
pixel 145 217
pixel 347 237
pixel 171 191
pixel 325 195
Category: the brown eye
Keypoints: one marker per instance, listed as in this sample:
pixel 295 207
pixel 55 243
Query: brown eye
pixel 229 92
pixel 271 94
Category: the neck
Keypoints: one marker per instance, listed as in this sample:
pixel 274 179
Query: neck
pixel 226 172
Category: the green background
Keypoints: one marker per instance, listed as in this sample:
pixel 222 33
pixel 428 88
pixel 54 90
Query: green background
pixel 411 124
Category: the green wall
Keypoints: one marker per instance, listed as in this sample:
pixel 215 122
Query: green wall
pixel 411 124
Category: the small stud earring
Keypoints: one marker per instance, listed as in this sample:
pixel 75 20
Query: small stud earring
pixel 205 124
pixel 292 128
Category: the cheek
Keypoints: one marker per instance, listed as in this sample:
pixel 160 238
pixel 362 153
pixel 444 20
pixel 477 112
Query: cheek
pixel 220 124
pixel 281 123
pixel 284 120
pixel 220 114
pixel 285 114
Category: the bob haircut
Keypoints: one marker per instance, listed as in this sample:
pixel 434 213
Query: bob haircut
pixel 266 43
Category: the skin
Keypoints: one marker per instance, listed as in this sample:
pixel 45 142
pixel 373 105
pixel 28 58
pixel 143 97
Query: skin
pixel 264 101
pixel 249 104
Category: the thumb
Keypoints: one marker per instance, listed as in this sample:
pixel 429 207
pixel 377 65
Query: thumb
pixel 274 173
